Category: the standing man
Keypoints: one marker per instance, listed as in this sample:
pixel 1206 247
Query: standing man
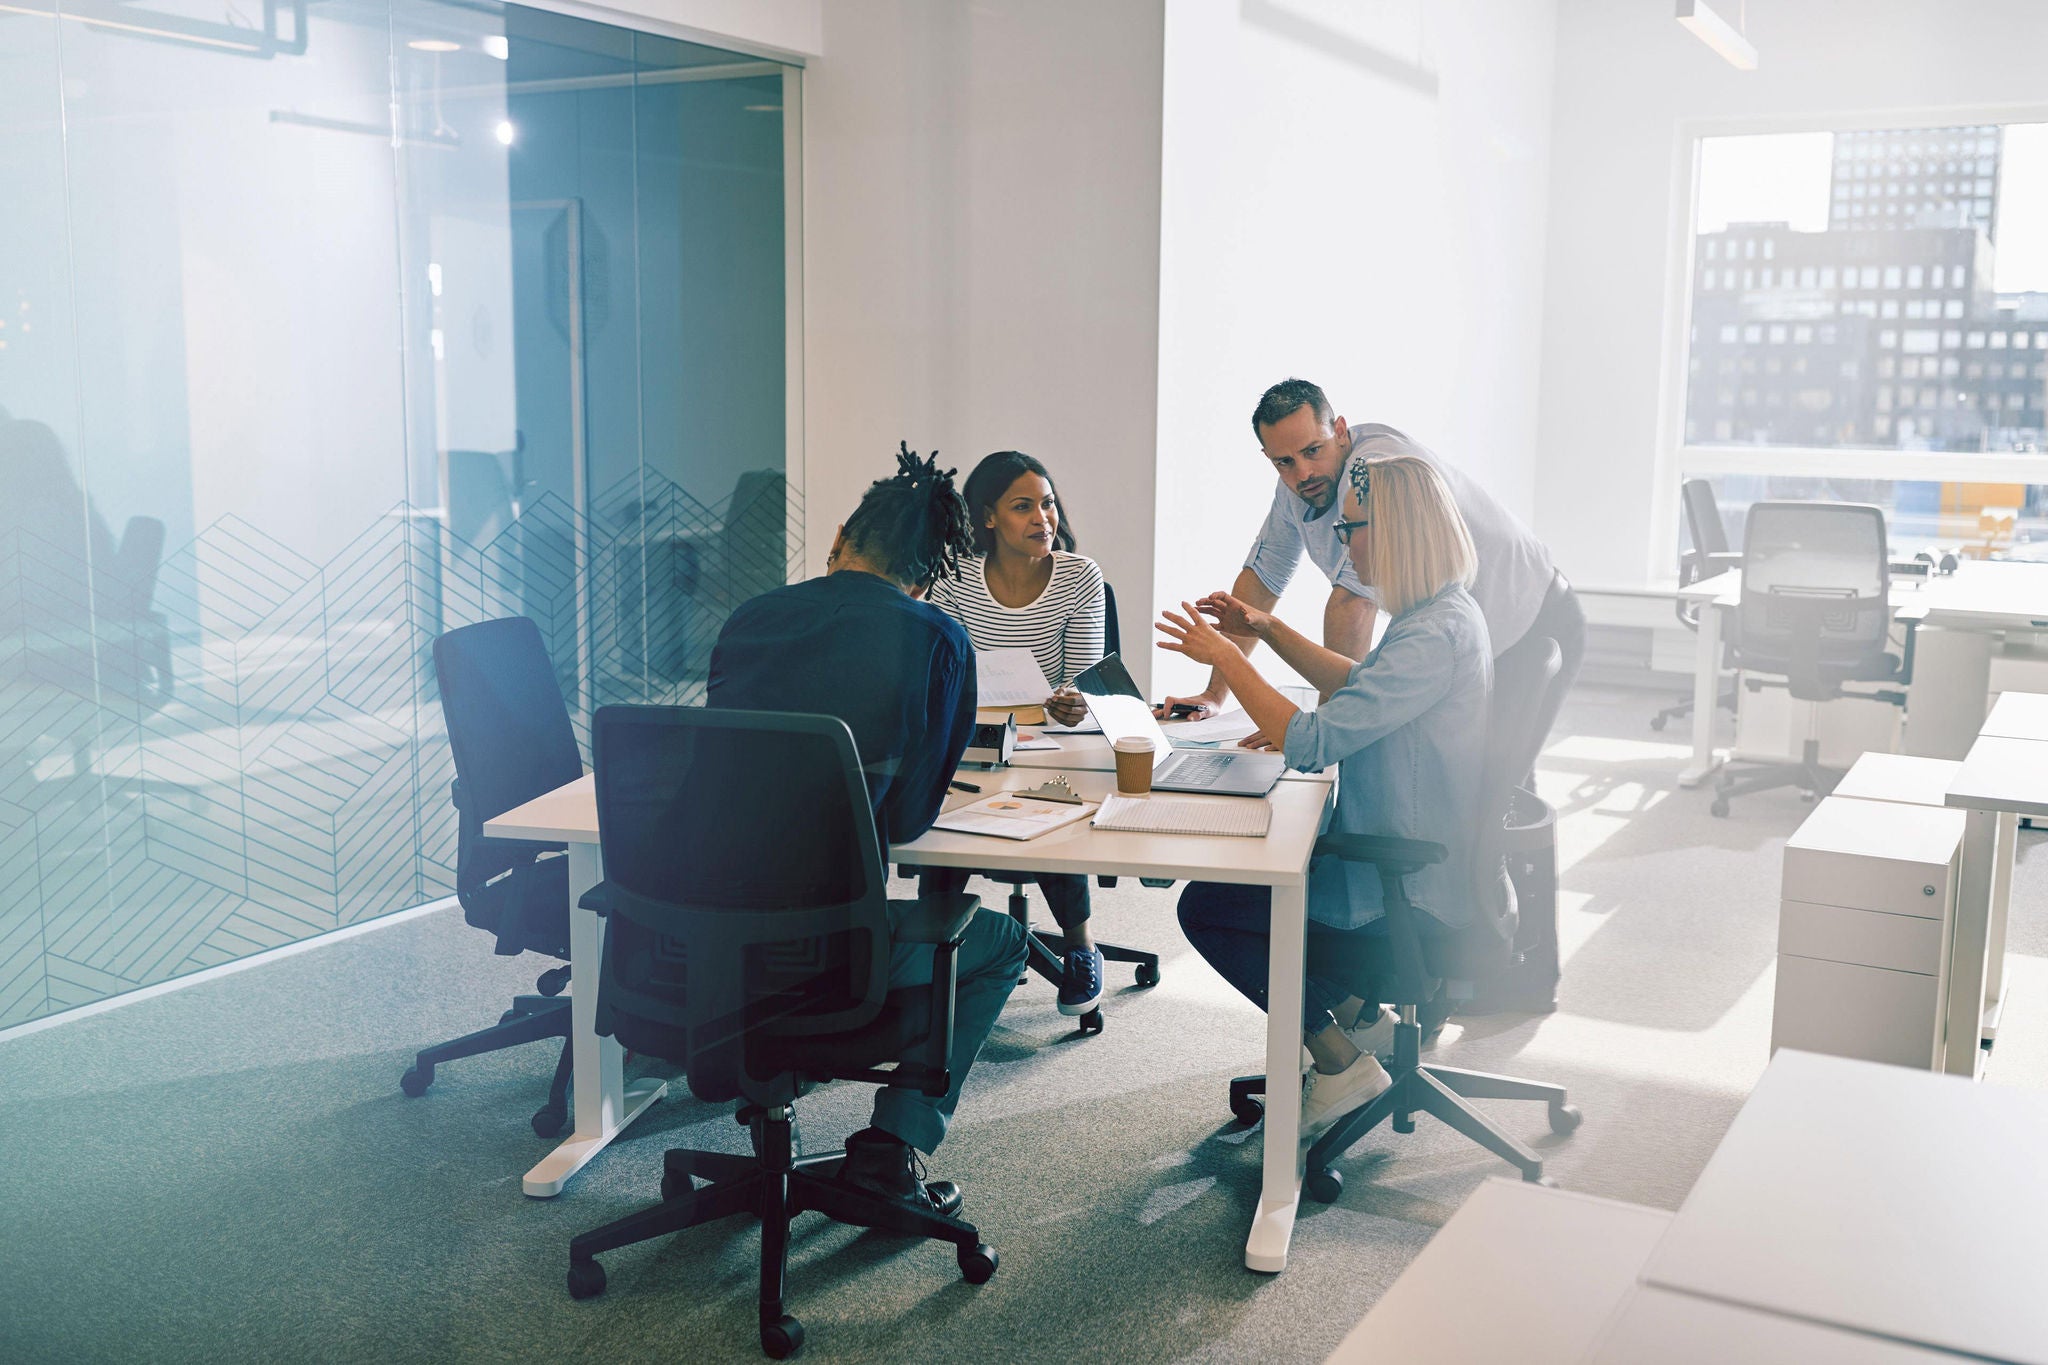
pixel 1308 445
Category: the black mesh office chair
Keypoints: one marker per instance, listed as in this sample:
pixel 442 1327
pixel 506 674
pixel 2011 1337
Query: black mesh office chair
pixel 1048 949
pixel 753 950
pixel 1708 556
pixel 1816 612
pixel 508 729
pixel 1406 967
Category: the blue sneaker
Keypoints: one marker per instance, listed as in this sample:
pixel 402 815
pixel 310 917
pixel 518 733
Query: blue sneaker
pixel 1081 981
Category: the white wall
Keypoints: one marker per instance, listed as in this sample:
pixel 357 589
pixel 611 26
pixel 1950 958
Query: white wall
pixel 1354 195
pixel 1627 78
pixel 981 228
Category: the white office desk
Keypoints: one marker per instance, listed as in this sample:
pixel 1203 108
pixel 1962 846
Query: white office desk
pixel 1965 610
pixel 2000 780
pixel 1657 1325
pixel 1520 1273
pixel 604 1102
pixel 2018 715
pixel 1879 1200
pixel 1279 861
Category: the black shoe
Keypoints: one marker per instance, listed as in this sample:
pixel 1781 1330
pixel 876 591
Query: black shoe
pixel 884 1165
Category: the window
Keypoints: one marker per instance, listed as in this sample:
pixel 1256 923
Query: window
pixel 1857 252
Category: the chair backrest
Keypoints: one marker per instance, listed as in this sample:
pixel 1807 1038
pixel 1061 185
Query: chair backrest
pixel 509 731
pixel 1703 518
pixel 1112 637
pixel 744 881
pixel 1815 593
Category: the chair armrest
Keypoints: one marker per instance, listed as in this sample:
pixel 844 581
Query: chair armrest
pixel 599 899
pixel 936 919
pixel 1384 849
pixel 1720 561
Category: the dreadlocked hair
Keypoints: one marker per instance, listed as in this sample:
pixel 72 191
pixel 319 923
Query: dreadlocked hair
pixel 913 527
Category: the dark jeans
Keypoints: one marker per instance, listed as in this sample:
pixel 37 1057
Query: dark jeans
pixel 1232 928
pixel 1066 893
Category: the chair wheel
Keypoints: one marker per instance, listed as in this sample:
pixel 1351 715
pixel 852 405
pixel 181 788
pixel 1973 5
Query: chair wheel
pixel 1091 1022
pixel 978 1263
pixel 552 981
pixel 782 1338
pixel 1565 1118
pixel 1720 807
pixel 1656 722
pixel 1247 1109
pixel 676 1185
pixel 548 1121
pixel 586 1279
pixel 1324 1186
pixel 1148 974
pixel 416 1081
pixel 1547 1183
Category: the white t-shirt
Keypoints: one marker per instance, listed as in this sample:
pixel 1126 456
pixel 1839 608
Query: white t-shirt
pixel 1515 569
pixel 1063 628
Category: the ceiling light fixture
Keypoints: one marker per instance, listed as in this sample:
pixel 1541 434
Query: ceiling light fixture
pixel 1725 38
pixel 497 45
pixel 434 45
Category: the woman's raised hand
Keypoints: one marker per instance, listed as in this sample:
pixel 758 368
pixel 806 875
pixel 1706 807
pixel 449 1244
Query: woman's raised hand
pixel 1192 635
pixel 1232 616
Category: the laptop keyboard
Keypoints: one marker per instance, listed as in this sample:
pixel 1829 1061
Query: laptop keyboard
pixel 1199 768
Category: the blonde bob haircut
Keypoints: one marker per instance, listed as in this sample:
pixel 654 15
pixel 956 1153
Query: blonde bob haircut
pixel 1417 544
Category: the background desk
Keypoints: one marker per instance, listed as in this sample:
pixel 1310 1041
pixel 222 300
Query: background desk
pixel 604 1102
pixel 1279 861
pixel 1965 613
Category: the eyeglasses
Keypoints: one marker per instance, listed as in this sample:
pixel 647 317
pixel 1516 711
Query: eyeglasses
pixel 1345 528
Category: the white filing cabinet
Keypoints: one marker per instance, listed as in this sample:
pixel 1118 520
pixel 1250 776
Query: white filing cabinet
pixel 1868 908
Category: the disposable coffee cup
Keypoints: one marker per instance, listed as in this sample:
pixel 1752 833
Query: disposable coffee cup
pixel 1133 765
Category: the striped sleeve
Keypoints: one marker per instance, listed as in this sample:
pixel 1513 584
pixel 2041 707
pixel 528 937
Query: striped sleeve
pixel 1082 643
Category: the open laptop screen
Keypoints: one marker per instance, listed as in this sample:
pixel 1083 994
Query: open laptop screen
pixel 1119 707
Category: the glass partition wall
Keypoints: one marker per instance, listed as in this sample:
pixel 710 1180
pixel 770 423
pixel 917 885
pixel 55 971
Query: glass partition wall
pixel 319 338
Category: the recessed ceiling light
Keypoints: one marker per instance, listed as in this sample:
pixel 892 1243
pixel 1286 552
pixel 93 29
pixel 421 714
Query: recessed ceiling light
pixel 506 132
pixel 498 45
pixel 762 108
pixel 434 45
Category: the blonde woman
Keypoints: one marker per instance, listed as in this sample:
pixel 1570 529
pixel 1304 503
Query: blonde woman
pixel 1407 726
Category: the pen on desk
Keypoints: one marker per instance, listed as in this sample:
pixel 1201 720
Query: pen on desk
pixel 960 786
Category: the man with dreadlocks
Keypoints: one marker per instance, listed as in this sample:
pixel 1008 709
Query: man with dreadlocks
pixel 861 644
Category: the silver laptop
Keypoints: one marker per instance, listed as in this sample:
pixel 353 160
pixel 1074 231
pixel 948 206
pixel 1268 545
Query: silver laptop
pixel 1121 710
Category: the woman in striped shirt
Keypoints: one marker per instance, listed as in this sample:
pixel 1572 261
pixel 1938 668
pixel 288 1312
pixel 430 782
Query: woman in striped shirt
pixel 1029 590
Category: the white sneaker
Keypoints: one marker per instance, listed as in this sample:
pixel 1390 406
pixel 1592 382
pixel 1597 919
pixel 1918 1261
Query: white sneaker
pixel 1325 1099
pixel 1376 1035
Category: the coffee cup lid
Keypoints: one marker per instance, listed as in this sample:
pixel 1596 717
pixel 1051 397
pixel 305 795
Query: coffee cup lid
pixel 1133 744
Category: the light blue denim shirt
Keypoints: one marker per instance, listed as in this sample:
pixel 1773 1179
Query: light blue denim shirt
pixel 1409 729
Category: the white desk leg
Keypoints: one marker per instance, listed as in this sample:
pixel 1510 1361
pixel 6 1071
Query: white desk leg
pixel 1706 697
pixel 2001 898
pixel 1967 956
pixel 1280 1192
pixel 604 1104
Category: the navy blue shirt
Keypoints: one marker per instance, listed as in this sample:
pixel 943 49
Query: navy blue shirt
pixel 898 671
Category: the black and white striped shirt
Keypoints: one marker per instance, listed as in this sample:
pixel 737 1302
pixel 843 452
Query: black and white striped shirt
pixel 1063 629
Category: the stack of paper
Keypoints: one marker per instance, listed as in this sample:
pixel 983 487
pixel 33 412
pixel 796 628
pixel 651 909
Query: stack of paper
pixel 1011 817
pixel 1009 677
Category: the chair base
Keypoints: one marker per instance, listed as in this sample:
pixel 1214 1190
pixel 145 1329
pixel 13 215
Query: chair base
pixel 531 1019
pixel 1440 1091
pixel 1047 956
pixel 1728 697
pixel 774 1185
pixel 1812 780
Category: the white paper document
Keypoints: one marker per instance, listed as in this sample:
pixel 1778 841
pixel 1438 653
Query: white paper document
pixel 1011 817
pixel 1215 730
pixel 1033 741
pixel 1167 815
pixel 1009 677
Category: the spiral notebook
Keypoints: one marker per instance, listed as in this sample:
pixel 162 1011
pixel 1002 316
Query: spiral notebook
pixel 1167 815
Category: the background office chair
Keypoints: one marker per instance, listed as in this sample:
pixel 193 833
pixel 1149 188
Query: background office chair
pixel 508 728
pixel 1708 556
pixel 1404 968
pixel 1048 950
pixel 1816 611
pixel 754 951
